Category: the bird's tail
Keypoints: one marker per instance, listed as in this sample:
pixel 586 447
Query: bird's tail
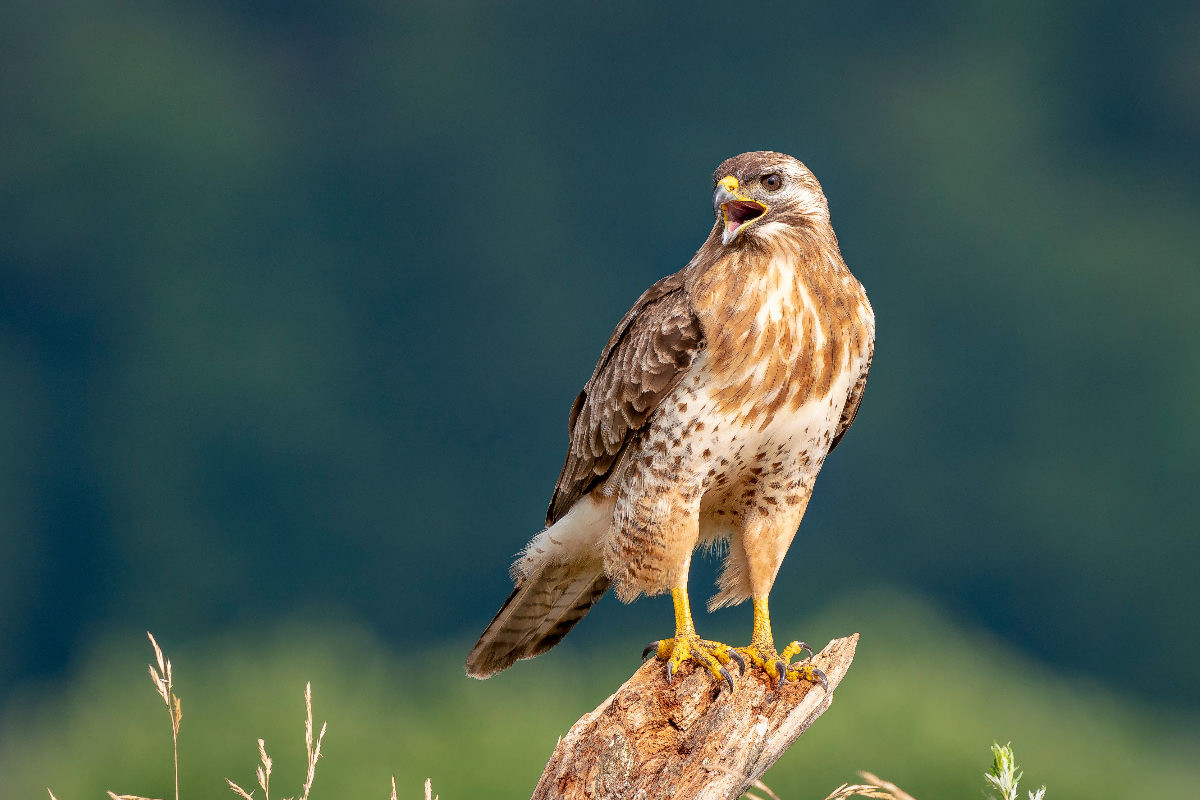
pixel 537 615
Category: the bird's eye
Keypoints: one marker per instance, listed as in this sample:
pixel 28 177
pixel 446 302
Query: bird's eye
pixel 772 182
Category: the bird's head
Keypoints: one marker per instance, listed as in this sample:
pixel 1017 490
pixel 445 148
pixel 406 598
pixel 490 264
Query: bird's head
pixel 756 193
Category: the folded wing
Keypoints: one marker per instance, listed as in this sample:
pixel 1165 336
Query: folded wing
pixel 647 356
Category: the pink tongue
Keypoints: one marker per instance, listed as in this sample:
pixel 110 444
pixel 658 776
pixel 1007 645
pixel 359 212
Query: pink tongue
pixel 731 226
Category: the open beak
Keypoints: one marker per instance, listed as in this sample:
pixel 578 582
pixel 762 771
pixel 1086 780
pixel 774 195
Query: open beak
pixel 737 210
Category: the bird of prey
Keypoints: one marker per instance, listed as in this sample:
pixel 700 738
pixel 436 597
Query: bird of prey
pixel 706 420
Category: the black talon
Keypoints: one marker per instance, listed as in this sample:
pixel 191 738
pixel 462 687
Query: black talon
pixel 736 656
pixel 650 648
pixel 782 669
pixel 728 677
pixel 670 671
pixel 821 676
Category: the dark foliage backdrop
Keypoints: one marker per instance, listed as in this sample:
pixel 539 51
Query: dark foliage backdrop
pixel 295 297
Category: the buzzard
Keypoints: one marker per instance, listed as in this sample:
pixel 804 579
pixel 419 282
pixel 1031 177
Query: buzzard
pixel 706 420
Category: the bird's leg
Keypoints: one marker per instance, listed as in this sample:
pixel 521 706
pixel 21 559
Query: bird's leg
pixel 687 644
pixel 762 654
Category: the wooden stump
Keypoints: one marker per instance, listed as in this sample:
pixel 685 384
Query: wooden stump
pixel 689 739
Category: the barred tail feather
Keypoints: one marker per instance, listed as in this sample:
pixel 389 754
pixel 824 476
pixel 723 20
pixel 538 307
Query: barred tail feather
pixel 537 615
pixel 559 577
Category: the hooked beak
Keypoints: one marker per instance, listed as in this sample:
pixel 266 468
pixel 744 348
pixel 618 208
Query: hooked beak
pixel 737 210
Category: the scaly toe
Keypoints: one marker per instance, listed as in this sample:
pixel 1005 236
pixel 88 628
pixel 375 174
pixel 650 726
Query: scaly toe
pixel 809 673
pixel 713 656
pixel 795 649
pixel 760 657
pixel 776 665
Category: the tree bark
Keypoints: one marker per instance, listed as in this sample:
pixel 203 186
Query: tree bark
pixel 689 739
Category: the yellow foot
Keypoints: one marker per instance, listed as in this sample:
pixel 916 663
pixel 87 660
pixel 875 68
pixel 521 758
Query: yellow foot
pixel 713 656
pixel 777 667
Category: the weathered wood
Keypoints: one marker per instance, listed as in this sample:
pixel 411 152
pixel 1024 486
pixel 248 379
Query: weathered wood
pixel 689 739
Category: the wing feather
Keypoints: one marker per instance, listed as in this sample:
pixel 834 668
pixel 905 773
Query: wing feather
pixel 646 357
pixel 850 411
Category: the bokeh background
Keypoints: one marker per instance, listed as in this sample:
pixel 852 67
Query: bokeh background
pixel 295 298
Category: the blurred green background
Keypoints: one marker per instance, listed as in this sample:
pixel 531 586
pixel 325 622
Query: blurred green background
pixel 295 298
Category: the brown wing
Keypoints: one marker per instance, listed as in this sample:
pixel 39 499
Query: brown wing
pixel 853 401
pixel 646 357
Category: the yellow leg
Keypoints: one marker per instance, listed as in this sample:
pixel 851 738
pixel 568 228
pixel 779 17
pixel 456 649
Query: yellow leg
pixel 761 635
pixel 687 645
pixel 762 654
pixel 683 611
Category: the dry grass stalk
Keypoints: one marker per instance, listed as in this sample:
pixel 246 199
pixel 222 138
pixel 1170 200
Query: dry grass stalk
pixel 858 790
pixel 762 787
pixel 239 791
pixel 263 771
pixel 897 792
pixel 874 787
pixel 313 754
pixel 164 682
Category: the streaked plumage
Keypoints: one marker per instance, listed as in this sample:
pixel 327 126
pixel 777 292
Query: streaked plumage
pixel 708 417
